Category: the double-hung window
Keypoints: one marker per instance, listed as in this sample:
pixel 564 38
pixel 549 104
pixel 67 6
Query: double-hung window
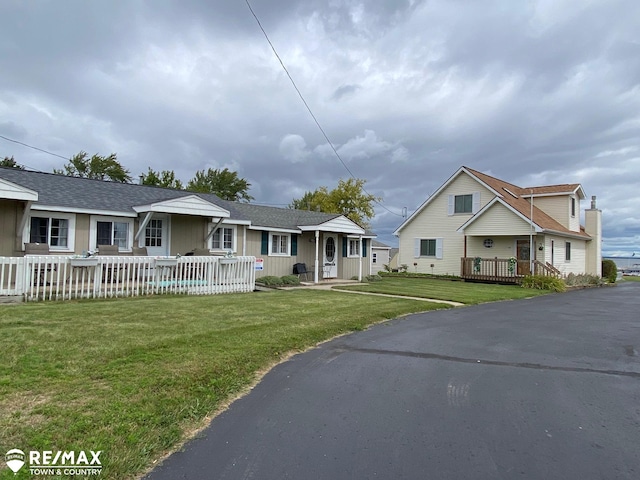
pixel 223 239
pixel 280 244
pixel 354 247
pixel 56 230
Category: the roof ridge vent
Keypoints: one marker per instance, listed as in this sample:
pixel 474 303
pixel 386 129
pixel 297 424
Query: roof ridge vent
pixel 510 192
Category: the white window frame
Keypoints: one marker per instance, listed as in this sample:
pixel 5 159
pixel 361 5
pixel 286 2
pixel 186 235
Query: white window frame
pixel 287 236
pixel 93 230
pixel 475 203
pixel 439 248
pixel 353 248
pixel 71 234
pixel 234 238
pixel 374 257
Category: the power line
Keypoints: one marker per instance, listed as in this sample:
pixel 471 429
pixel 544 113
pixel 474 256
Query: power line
pixel 35 148
pixel 309 108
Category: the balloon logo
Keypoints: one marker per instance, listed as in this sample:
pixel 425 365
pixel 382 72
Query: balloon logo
pixel 14 459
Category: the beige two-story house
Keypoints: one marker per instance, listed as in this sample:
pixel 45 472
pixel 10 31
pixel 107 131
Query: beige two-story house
pixel 475 223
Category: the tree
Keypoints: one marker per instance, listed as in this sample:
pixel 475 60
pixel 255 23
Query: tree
pixel 349 199
pixel 96 167
pixel 224 183
pixel 11 163
pixel 165 178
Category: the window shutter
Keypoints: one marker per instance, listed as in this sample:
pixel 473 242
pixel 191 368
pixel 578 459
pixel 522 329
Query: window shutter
pixel 416 248
pixel 452 200
pixel 264 250
pixel 476 202
pixel 364 247
pixel 294 244
pixel 345 246
pixel 439 248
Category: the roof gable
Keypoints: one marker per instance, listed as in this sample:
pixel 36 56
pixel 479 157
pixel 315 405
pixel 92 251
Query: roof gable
pixel 452 178
pixel 12 191
pixel 186 205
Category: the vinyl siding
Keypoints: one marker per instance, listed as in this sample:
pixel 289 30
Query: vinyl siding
pixel 434 222
pixel 187 233
pixel 9 213
pixel 499 220
pixel 578 254
pixel 559 208
pixel 503 247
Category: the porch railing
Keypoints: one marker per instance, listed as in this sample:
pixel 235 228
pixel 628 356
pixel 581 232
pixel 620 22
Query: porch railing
pixel 59 277
pixel 503 270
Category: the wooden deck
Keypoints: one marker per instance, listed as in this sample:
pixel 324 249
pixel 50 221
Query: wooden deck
pixel 502 270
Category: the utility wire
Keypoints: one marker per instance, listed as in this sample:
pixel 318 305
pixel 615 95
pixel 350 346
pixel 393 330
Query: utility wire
pixel 35 148
pixel 309 108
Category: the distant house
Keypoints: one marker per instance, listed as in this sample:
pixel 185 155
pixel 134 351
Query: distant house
pixel 73 215
pixel 379 256
pixel 476 225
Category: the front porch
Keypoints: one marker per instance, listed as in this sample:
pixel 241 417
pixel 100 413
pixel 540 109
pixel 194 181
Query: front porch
pixel 57 277
pixel 503 270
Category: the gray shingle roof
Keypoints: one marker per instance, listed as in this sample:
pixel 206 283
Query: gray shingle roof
pixel 73 192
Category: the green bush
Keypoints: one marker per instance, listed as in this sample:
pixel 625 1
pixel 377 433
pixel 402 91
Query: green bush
pixel 270 281
pixel 373 278
pixel 582 279
pixel 290 280
pixel 542 282
pixel 609 270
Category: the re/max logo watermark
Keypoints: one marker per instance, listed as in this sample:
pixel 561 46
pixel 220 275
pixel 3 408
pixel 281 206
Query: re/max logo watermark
pixel 49 462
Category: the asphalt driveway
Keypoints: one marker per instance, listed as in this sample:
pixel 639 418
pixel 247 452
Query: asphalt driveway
pixel 545 388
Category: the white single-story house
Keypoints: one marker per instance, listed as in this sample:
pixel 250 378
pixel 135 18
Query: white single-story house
pixel 476 225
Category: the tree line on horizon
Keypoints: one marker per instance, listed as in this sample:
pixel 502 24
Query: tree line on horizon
pixel 348 198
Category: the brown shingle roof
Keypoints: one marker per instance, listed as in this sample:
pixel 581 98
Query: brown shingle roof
pixel 522 205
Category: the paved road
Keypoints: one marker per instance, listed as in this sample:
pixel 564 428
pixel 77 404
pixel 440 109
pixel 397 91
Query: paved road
pixel 546 388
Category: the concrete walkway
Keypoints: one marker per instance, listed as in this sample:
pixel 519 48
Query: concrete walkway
pixel 334 286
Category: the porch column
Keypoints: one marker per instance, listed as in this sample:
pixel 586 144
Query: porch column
pixel 317 262
pixel 360 259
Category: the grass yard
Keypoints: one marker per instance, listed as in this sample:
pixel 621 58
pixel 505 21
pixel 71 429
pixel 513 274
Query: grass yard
pixel 631 278
pixel 132 377
pixel 464 292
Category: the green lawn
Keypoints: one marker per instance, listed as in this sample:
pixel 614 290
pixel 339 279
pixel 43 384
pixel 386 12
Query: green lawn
pixel 132 377
pixel 631 278
pixel 468 293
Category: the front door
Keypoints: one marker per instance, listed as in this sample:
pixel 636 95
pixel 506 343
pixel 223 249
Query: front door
pixel 330 257
pixel 156 237
pixel 523 255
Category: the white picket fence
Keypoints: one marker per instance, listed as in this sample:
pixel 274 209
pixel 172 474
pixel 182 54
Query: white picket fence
pixel 57 277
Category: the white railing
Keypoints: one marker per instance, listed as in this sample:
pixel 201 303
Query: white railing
pixel 56 277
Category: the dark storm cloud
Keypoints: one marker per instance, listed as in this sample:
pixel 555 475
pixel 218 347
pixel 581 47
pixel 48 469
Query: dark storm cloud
pixel 407 91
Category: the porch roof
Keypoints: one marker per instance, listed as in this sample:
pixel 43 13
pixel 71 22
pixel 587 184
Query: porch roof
pixel 186 205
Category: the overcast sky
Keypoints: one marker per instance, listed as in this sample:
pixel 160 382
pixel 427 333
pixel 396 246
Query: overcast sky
pixel 532 92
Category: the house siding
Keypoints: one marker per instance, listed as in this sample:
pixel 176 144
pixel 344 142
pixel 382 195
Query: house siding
pixel 578 254
pixel 9 214
pixel 503 247
pixel 434 222
pixel 382 259
pixel 498 220
pixel 187 233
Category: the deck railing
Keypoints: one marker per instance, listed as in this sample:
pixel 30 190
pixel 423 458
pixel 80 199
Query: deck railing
pixel 56 277
pixel 502 270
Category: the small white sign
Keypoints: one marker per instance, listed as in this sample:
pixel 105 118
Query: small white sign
pixel 259 263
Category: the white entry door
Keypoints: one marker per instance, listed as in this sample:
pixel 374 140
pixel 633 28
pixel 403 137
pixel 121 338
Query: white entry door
pixel 156 236
pixel 330 257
